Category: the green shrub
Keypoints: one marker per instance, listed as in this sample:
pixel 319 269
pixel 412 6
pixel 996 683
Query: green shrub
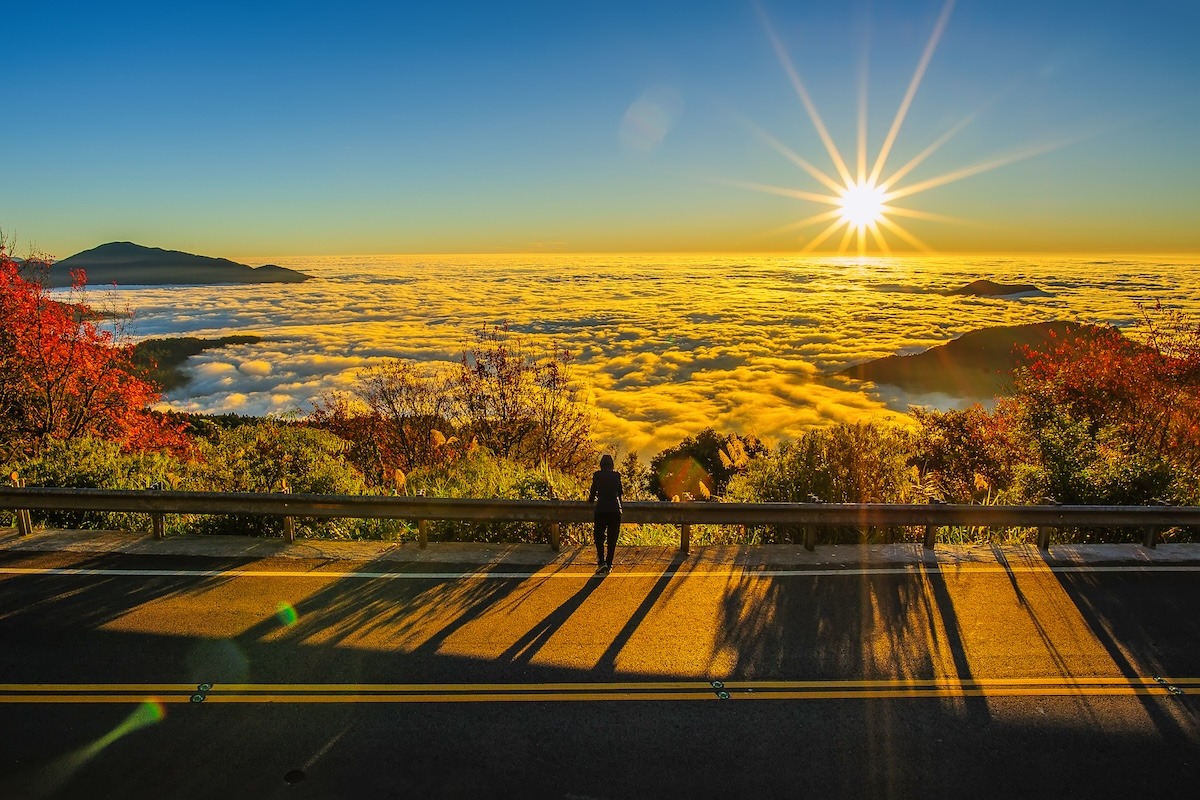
pixel 261 458
pixel 865 463
pixel 486 476
pixel 91 463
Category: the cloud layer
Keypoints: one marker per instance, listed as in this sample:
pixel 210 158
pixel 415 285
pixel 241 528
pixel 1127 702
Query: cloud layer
pixel 667 344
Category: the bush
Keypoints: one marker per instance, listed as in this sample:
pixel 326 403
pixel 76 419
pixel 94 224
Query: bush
pixel 486 476
pixel 266 456
pixel 701 465
pixel 970 456
pixel 91 463
pixel 866 463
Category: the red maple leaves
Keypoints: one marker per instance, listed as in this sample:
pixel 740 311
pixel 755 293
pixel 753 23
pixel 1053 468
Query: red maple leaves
pixel 63 374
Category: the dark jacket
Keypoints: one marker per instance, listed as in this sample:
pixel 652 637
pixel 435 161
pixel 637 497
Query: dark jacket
pixel 606 491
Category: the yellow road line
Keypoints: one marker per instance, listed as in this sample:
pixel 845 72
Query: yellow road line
pixel 151 688
pixel 965 682
pixel 580 692
pixel 607 686
pixel 519 697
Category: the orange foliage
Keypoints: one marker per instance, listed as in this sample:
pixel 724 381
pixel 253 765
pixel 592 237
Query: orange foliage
pixel 1149 389
pixel 62 375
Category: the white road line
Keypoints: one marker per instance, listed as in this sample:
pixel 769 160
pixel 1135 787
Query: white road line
pixel 577 575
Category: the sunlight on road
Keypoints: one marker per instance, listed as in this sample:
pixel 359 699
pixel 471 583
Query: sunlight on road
pixel 967 629
pixel 219 607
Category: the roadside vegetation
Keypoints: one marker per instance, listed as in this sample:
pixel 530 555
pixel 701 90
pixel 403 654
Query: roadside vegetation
pixel 1096 417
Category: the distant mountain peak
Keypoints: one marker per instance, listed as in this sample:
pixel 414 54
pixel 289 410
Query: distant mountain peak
pixel 987 288
pixel 977 365
pixel 130 264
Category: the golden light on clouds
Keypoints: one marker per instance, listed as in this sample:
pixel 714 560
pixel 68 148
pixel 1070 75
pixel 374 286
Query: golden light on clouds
pixel 668 344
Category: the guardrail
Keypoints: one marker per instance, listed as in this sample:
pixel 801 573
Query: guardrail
pixel 806 518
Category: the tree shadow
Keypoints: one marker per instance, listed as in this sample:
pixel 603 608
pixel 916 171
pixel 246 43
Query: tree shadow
pixel 872 626
pixel 27 600
pixel 1136 617
pixel 886 626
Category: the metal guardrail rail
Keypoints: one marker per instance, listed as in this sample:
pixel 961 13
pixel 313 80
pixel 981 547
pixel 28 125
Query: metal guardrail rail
pixel 807 517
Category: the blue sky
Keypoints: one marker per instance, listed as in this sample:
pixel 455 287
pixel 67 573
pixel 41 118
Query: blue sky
pixel 244 129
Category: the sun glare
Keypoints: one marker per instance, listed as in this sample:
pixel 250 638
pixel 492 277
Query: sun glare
pixel 862 202
pixel 862 205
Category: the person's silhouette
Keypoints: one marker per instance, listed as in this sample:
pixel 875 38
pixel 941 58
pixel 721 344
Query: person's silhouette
pixel 606 493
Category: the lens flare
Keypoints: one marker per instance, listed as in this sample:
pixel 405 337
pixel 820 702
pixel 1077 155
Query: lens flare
pixel 286 614
pixel 46 780
pixel 682 475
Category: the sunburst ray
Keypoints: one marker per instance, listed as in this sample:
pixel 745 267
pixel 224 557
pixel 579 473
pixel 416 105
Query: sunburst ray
pixel 782 191
pixel 906 103
pixel 899 230
pixel 936 145
pixel 975 169
pixel 790 154
pixel 864 204
pixel 825 234
pixel 802 92
pixel 824 216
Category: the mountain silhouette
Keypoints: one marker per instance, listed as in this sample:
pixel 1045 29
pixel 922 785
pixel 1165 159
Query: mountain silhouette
pixel 976 365
pixel 127 264
pixel 986 288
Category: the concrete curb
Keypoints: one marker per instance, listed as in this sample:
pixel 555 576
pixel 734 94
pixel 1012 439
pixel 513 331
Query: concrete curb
pixel 710 556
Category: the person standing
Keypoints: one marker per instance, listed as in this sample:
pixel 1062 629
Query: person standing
pixel 606 493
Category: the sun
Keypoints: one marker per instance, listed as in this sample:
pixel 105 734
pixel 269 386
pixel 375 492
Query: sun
pixel 862 204
pixel 861 197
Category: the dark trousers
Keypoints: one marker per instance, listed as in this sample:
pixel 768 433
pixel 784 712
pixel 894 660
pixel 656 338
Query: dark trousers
pixel 607 527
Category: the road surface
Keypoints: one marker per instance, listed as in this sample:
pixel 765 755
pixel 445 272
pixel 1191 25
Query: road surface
pixel 131 676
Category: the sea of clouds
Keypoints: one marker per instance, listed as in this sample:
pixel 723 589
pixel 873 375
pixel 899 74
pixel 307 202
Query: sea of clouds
pixel 667 345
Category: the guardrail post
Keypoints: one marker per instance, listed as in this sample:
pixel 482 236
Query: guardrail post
pixel 685 538
pixel 1150 536
pixel 810 531
pixel 422 533
pixel 24 521
pixel 289 523
pixel 157 518
pixel 930 528
pixel 554 543
pixel 1043 537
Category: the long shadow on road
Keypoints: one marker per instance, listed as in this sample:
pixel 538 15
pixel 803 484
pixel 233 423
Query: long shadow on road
pixel 1148 628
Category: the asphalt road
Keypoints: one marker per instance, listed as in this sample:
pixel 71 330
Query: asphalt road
pixel 130 677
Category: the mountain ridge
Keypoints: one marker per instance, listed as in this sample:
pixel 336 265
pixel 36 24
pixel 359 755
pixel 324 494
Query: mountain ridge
pixel 977 365
pixel 128 263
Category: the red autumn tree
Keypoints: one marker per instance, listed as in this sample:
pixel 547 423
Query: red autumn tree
pixel 1096 417
pixel 63 375
pixel 1146 386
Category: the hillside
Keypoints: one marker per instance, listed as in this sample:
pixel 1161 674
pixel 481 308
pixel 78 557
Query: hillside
pixel 987 288
pixel 163 359
pixel 977 365
pixel 127 264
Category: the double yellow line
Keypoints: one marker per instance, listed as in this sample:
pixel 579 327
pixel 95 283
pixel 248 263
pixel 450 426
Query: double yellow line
pixel 591 692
